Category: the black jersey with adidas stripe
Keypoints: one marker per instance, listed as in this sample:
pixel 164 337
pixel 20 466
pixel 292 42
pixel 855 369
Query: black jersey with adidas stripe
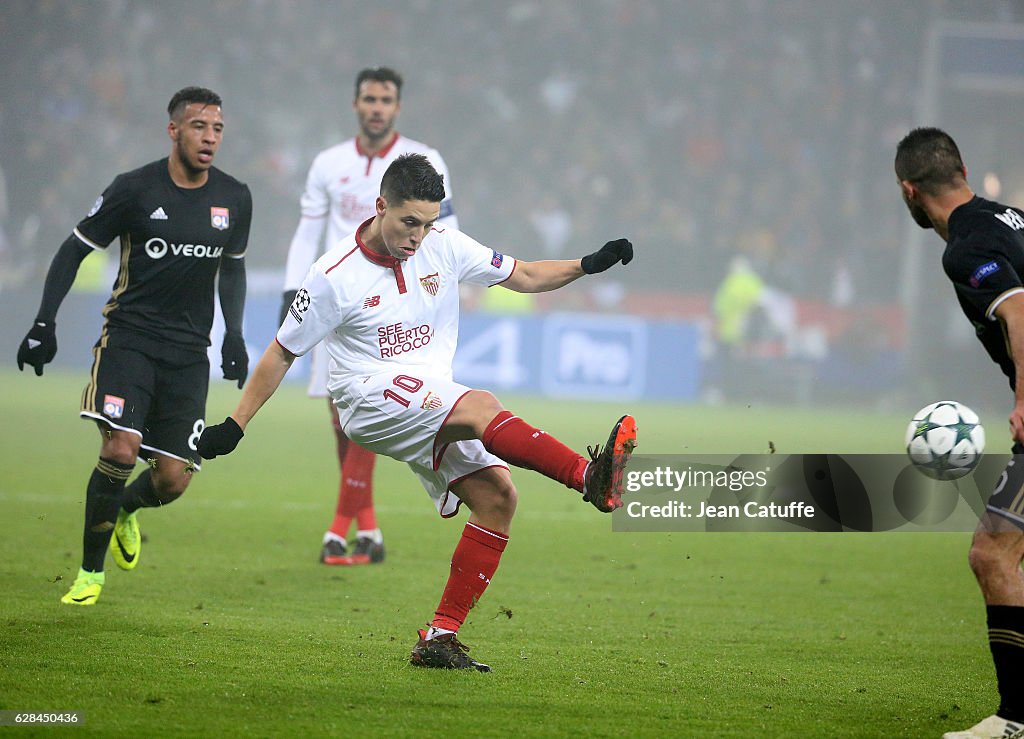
pixel 172 242
pixel 984 258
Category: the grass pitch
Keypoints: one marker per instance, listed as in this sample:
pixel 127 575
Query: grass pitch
pixel 230 627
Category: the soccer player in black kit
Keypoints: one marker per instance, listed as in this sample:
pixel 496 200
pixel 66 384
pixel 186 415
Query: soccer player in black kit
pixel 180 223
pixel 984 258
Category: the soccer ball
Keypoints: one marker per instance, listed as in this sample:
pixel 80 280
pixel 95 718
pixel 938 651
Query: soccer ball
pixel 945 440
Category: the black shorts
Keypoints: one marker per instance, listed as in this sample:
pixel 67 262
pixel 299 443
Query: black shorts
pixel 162 402
pixel 1008 499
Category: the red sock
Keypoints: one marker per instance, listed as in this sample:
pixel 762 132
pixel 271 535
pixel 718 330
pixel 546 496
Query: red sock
pixel 343 513
pixel 519 443
pixel 357 486
pixel 473 565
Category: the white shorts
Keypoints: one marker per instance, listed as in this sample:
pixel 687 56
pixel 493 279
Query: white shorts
pixel 399 416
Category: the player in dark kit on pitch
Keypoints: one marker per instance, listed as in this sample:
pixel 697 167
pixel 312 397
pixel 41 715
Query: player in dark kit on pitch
pixel 984 258
pixel 180 222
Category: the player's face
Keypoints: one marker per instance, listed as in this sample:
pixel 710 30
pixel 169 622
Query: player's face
pixel 403 227
pixel 376 108
pixel 916 211
pixel 196 136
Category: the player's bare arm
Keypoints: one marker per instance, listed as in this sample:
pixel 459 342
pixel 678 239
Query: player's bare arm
pixel 266 378
pixel 270 370
pixel 539 277
pixel 1011 314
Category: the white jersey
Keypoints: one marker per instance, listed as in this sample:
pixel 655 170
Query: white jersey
pixel 341 189
pixel 376 313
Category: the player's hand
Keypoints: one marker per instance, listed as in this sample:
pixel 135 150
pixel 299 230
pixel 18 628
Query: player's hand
pixel 219 439
pixel 287 298
pixel 611 253
pixel 1017 423
pixel 39 346
pixel 234 358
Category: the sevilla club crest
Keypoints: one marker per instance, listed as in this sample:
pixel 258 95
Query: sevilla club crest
pixel 431 402
pixel 431 283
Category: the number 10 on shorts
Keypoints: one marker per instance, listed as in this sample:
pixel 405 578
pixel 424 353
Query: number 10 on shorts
pixel 409 384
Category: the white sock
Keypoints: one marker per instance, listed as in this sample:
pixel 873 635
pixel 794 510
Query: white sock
pixel 434 632
pixel 373 534
pixel 331 536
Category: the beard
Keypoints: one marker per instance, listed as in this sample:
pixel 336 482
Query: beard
pixel 386 127
pixel 918 214
pixel 181 154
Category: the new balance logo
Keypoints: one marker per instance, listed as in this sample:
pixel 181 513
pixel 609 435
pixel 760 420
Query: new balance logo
pixel 158 215
pixel 372 302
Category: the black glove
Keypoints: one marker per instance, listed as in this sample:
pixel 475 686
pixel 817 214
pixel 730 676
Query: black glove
pixel 234 358
pixel 219 439
pixel 287 298
pixel 619 250
pixel 39 347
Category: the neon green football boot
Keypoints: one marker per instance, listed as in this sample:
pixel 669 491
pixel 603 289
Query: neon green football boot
pixel 126 543
pixel 86 589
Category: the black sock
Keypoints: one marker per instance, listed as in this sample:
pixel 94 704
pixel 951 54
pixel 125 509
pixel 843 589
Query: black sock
pixel 1006 640
pixel 102 500
pixel 140 494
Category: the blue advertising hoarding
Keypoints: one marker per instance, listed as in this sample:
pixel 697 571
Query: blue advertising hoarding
pixel 559 355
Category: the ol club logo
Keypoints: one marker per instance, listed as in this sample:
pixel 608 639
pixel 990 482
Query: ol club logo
pixel 219 218
pixel 113 406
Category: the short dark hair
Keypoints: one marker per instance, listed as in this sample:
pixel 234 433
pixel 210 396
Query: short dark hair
pixel 188 95
pixel 380 74
pixel 412 177
pixel 930 159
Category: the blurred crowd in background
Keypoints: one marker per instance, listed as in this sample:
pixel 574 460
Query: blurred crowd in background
pixel 702 131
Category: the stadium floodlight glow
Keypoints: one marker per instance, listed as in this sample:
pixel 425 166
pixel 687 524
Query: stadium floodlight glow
pixel 993 185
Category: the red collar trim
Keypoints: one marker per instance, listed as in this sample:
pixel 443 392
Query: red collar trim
pixel 380 154
pixel 384 260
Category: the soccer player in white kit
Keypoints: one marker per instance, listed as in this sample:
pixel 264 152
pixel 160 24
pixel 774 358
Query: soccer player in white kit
pixel 386 304
pixel 341 188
